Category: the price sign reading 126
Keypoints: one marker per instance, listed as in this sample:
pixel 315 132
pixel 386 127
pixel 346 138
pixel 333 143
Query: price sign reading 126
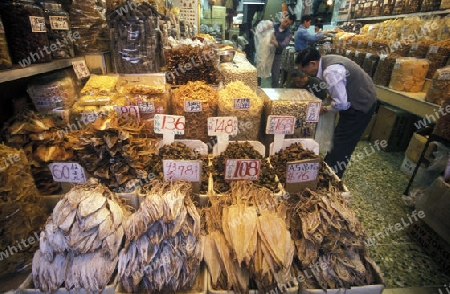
pixel 222 125
pixel 242 169
pixel 187 170
pixel 280 125
pixel 301 172
pixel 67 172
pixel 169 123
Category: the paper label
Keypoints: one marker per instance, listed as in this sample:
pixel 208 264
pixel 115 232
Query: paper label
pixel 313 112
pixel 81 69
pixel 47 102
pixel 67 172
pixel 397 65
pixel 37 24
pixel 242 104
pixel 356 53
pixel 444 76
pixel 433 49
pixel 280 125
pixel 370 43
pixel 169 123
pixel 186 170
pixel 414 46
pixel 192 106
pixel 222 125
pixel 146 107
pixel 242 169
pixel 301 172
pixel 59 22
pixel 128 111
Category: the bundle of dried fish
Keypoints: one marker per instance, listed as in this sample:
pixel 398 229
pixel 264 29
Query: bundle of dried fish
pixel 246 237
pixel 20 216
pixel 162 251
pixel 80 244
pixel 329 241
pixel 111 150
pixel 244 150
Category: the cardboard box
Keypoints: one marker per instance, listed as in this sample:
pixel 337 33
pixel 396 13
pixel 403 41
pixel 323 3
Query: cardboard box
pixel 415 147
pixel 436 205
pixel 395 126
pixel 369 128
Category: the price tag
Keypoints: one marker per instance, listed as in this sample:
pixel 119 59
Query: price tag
pixel 192 106
pixel 81 69
pixel 242 169
pixel 397 65
pixel 356 53
pixel 37 24
pixel 444 76
pixel 301 172
pixel 414 46
pixel 187 170
pixel 349 42
pixel 59 22
pixel 370 44
pixel 242 104
pixel 128 111
pixel 222 125
pixel 169 123
pixel 67 172
pixel 359 43
pixel 433 49
pixel 313 111
pixel 281 125
pixel 386 2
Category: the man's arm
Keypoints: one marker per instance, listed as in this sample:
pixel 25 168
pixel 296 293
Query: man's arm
pixel 336 80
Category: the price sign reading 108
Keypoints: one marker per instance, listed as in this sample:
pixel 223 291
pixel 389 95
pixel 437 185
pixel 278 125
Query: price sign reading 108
pixel 222 125
pixel 67 172
pixel 242 169
pixel 169 123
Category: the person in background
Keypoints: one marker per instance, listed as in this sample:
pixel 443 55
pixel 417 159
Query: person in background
pixel 281 38
pixel 303 38
pixel 353 96
pixel 299 80
pixel 318 27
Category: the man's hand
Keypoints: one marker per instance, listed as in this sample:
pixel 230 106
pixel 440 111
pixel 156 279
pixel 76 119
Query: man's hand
pixel 273 41
pixel 323 109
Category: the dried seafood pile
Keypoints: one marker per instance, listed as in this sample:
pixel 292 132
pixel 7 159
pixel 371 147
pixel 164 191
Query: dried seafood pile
pixel 180 151
pixel 244 150
pixel 328 236
pixel 247 238
pixel 80 244
pixel 111 150
pixel 43 143
pixel 20 217
pixel 240 70
pixel 162 251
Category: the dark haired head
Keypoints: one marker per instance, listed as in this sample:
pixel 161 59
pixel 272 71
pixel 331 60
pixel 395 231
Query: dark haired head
pixel 306 17
pixel 307 55
pixel 296 73
pixel 291 16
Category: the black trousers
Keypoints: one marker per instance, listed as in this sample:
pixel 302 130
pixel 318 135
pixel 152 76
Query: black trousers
pixel 348 131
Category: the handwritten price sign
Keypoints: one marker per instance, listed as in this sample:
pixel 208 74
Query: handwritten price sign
pixel 67 172
pixel 301 172
pixel 192 106
pixel 280 125
pixel 242 169
pixel 81 69
pixel 128 111
pixel 242 104
pixel 187 170
pixel 313 112
pixel 222 125
pixel 171 123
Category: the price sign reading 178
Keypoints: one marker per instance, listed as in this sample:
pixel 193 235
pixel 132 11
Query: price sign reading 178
pixel 67 172
pixel 301 172
pixel 280 125
pixel 242 169
pixel 187 170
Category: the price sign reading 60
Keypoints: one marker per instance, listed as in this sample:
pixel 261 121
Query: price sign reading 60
pixel 242 169
pixel 67 172
pixel 222 125
pixel 169 123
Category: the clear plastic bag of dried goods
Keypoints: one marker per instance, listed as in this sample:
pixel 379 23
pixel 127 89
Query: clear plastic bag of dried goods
pixel 370 63
pixel 5 58
pixel 439 90
pixel 409 74
pixel 383 72
pixel 438 55
pixel 265 52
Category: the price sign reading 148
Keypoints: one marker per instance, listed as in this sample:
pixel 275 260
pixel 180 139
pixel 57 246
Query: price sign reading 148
pixel 67 172
pixel 187 170
pixel 222 125
pixel 242 169
pixel 169 123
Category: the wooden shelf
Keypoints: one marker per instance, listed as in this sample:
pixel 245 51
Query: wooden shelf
pixel 18 72
pixel 412 102
pixel 446 11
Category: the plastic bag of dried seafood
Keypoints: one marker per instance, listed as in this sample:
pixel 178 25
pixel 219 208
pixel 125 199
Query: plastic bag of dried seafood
pixel 100 85
pixel 438 55
pixel 409 74
pixel 239 70
pixel 238 100
pixel 439 90
pixel 382 75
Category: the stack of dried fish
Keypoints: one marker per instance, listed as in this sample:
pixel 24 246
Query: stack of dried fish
pixel 20 214
pixel 80 244
pixel 111 150
pixel 247 238
pixel 329 241
pixel 163 251
pixel 42 142
pixel 267 177
pixel 179 151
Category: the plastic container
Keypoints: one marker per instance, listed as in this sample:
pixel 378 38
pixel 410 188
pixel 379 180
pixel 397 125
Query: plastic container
pixel 408 74
pixel 439 90
pixel 5 58
pixel 25 30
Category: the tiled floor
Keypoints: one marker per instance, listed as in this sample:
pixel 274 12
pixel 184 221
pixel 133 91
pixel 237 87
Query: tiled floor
pixel 427 290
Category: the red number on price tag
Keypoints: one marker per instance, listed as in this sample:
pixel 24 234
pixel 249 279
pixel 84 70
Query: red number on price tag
pixel 169 123
pixel 187 170
pixel 280 125
pixel 222 125
pixel 128 111
pixel 81 69
pixel 301 172
pixel 67 172
pixel 242 169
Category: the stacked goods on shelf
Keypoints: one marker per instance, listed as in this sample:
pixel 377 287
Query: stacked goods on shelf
pixel 370 63
pixel 439 90
pixel 438 55
pixel 196 101
pixel 442 128
pixel 240 101
pixel 240 70
pixel 25 31
pixel 163 249
pixel 243 150
pixel 382 75
pixel 409 74
pixel 5 58
pixel 135 38
pixel 20 214
pixel 246 237
pixel 79 246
